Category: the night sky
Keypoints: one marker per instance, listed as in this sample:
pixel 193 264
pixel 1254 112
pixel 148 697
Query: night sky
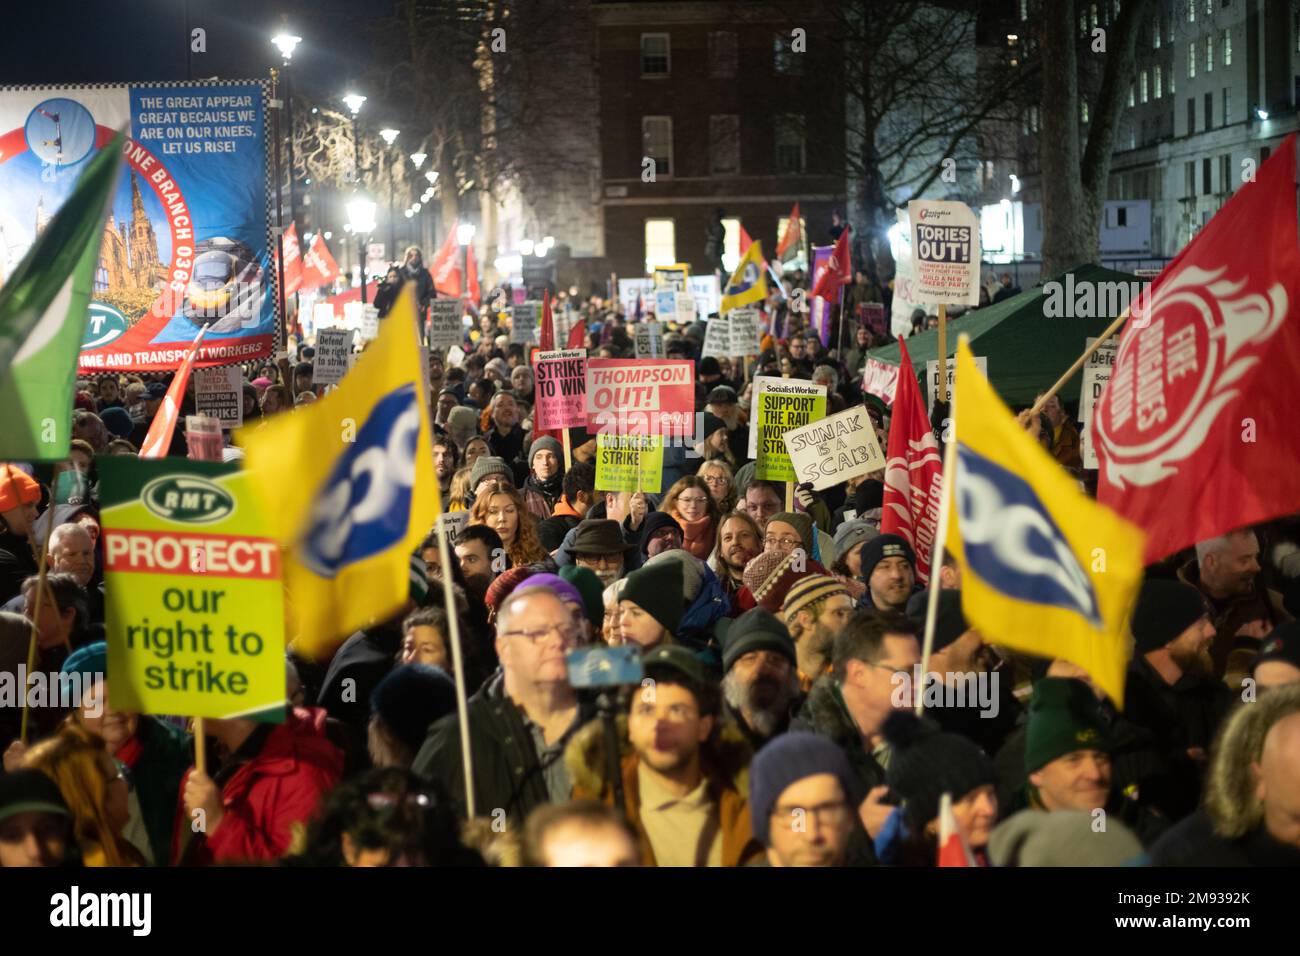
pixel 103 41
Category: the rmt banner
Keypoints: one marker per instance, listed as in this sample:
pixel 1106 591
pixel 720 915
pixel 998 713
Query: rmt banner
pixel 641 397
pixel 945 251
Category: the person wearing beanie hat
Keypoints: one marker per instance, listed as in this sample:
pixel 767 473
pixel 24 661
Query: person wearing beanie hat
pixel 889 571
pixel 402 708
pixel 1067 747
pixel 20 496
pixel 683 779
pixel 566 592
pixel 803 801
pixel 714 439
pixel 977 703
pixel 924 764
pixel 787 530
pixel 489 466
pixel 760 689
pixel 849 539
pixel 462 425
pixel 36 821
pixel 1170 690
pixel 706 605
pixel 659 532
pixel 586 583
pixel 769 577
pixel 545 482
pixel 650 607
pixel 1278 661
pixel 118 421
pixel 815 609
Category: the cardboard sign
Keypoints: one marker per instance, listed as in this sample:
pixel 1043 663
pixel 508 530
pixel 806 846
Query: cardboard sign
pixel 645 397
pixel 675 277
pixel 445 327
pixel 835 449
pixel 932 376
pixel 561 390
pixel 779 405
pixel 195 605
pixel 1096 373
pixel 880 379
pixel 706 290
pixel 523 323
pixel 649 337
pixel 945 251
pixel 666 304
pixel 629 462
pixel 333 356
pixel 686 308
pixel 369 327
pixel 219 393
pixel 717 337
pixel 452 525
pixel 744 333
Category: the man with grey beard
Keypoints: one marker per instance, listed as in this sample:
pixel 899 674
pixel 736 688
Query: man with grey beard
pixel 760 686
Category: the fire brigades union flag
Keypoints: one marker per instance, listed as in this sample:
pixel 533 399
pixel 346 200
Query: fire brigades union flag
pixel 1196 432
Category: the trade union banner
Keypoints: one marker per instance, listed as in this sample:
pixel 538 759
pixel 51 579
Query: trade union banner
pixel 187 242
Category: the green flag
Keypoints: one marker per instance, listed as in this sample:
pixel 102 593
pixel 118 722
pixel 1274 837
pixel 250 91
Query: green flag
pixel 43 309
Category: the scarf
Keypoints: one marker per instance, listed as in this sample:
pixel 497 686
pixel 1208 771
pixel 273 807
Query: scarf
pixel 551 489
pixel 697 535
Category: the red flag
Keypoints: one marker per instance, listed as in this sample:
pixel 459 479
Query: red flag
pixel 319 267
pixel 292 260
pixel 839 270
pixel 913 470
pixel 577 335
pixel 471 275
pixel 1195 432
pixel 446 266
pixel 159 438
pixel 745 241
pixel 792 236
pixel 546 339
pixel 953 850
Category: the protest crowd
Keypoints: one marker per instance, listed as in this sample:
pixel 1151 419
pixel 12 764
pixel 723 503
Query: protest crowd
pixel 773 629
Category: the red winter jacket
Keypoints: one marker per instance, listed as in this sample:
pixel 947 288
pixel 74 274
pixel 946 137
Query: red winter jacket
pixel 281 786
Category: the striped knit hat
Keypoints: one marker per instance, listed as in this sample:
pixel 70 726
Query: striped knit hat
pixel 809 590
pixel 771 575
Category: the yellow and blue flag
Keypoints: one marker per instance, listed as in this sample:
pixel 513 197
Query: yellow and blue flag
pixel 1045 569
pixel 348 487
pixel 748 283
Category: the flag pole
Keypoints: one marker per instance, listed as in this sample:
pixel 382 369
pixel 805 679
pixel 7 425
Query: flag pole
pixel 1078 363
pixel 941 535
pixel 942 354
pixel 200 747
pixel 458 665
pixel 568 449
pixel 42 571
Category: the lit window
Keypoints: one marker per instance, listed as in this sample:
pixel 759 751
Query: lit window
pixel 731 245
pixel 1142 83
pixel 1155 34
pixel 655 55
pixel 1191 11
pixel 657 141
pixel 1191 59
pixel 660 243
pixel 1227 48
pixel 1209 54
pixel 1159 75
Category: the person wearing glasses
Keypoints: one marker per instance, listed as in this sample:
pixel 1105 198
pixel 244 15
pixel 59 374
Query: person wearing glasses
pixel 721 481
pixel 804 803
pixel 872 662
pixel 519 721
pixel 692 506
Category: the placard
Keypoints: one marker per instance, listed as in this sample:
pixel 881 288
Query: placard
pixel 639 396
pixel 932 376
pixel 686 308
pixel 523 322
pixel 1096 373
pixel 717 337
pixel 195 603
pixel 880 379
pixel 945 251
pixel 837 448
pixel 219 393
pixel 673 277
pixel 629 462
pixel 666 304
pixel 452 525
pixel 333 356
pixel 560 389
pixel 445 326
pixel 780 404
pixel 744 337
pixel 649 339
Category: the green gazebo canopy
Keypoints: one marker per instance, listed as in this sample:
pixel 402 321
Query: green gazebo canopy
pixel 1027 351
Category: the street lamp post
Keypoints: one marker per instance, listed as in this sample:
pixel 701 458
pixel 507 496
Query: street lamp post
pixel 354 102
pixel 390 136
pixel 286 43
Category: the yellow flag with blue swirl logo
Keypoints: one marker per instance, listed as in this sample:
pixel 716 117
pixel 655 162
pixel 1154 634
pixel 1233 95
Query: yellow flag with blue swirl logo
pixel 1045 569
pixel 348 487
pixel 748 283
